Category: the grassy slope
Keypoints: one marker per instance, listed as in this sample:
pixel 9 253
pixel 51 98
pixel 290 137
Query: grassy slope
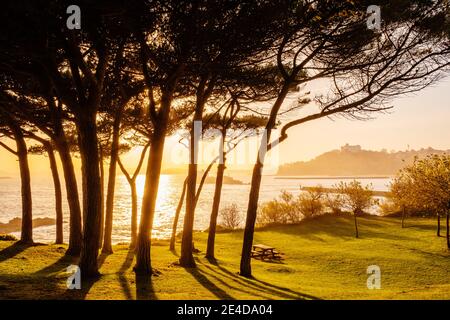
pixel 323 260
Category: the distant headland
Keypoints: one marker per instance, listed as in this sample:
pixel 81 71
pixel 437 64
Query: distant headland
pixel 15 224
pixel 354 161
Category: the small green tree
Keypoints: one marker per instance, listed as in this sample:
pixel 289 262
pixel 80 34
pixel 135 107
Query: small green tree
pixel 356 198
pixel 334 202
pixel 430 186
pixel 401 190
pixel 310 203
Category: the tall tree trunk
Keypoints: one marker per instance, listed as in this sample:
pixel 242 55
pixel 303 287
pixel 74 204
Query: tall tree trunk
pixel 58 194
pixel 438 225
pixel 448 236
pixel 134 214
pixel 143 258
pixel 202 182
pixel 356 226
pixel 215 210
pixel 134 205
pixel 25 179
pixel 102 195
pixel 187 259
pixel 177 216
pixel 403 216
pixel 107 243
pixel 75 226
pixel 245 266
pixel 202 94
pixel 87 131
pixel 160 121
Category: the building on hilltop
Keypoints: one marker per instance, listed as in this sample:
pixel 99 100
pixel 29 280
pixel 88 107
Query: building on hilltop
pixel 349 148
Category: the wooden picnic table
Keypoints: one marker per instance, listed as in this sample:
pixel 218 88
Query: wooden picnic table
pixel 262 251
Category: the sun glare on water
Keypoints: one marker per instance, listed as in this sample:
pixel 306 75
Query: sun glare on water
pixel 164 182
pixel 164 209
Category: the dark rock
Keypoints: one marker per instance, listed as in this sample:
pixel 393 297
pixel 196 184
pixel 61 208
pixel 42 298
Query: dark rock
pixel 14 225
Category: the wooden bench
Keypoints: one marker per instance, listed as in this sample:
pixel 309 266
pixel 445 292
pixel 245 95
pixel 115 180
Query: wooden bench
pixel 256 254
pixel 265 252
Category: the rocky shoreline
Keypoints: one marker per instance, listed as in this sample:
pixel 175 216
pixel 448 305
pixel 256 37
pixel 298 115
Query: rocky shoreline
pixel 14 225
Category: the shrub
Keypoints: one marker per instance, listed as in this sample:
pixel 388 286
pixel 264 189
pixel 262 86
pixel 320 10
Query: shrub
pixel 272 212
pixel 290 209
pixel 388 207
pixel 334 203
pixel 230 217
pixel 7 237
pixel 311 203
pixel 279 211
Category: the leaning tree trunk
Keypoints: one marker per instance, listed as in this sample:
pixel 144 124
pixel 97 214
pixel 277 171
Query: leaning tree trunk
pixel 75 226
pixel 187 259
pixel 245 266
pixel 180 203
pixel 107 243
pixel 134 205
pixel 134 214
pixel 87 131
pixel 177 216
pixel 161 119
pixel 448 236
pixel 403 216
pixel 143 246
pixel 25 179
pixel 102 195
pixel 58 194
pixel 438 225
pixel 215 211
pixel 356 225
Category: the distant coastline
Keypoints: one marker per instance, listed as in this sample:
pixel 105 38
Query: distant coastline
pixel 330 177
pixel 354 162
pixel 5 178
pixel 14 225
pixel 376 193
pixel 226 180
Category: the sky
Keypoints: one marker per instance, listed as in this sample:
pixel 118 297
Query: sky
pixel 417 121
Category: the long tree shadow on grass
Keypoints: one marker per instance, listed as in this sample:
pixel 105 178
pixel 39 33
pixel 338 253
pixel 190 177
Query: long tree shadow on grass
pixel 269 288
pixel 123 269
pixel 242 287
pixel 144 288
pixel 426 227
pixel 341 227
pixel 13 250
pixel 50 272
pixel 208 284
pixel 58 266
pixel 88 283
pixel 64 262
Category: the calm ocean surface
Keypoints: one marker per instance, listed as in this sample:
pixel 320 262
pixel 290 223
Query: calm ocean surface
pixel 169 192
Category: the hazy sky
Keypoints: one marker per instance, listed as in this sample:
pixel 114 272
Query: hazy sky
pixel 417 121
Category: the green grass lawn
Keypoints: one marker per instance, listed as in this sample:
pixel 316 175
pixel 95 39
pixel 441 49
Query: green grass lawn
pixel 323 260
